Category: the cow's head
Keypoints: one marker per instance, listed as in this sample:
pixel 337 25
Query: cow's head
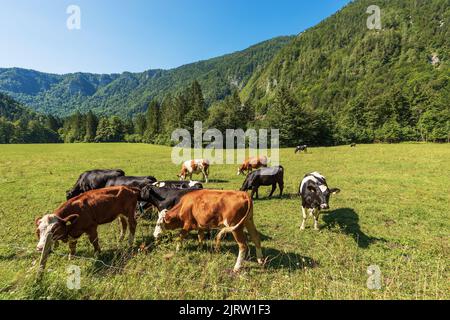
pixel 248 182
pixel 166 221
pixel 182 174
pixel 318 195
pixel 160 225
pixel 149 194
pixel 54 224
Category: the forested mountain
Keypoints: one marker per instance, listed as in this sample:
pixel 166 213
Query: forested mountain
pixel 335 83
pixel 128 93
pixel 18 124
pixel 390 84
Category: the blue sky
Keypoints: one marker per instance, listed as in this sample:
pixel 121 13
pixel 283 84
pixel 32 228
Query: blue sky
pixel 136 35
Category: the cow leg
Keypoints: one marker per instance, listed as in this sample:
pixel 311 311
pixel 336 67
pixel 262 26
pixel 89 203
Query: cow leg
pixel 183 234
pixel 281 186
pixel 254 235
pixel 73 248
pixel 124 226
pixel 201 237
pixel 274 186
pixel 93 238
pixel 316 214
pixel 132 222
pixel 305 216
pixel 255 191
pixel 205 176
pixel 241 239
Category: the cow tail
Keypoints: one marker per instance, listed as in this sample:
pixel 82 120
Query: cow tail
pixel 225 230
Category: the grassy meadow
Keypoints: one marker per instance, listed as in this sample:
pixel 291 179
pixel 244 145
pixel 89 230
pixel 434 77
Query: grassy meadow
pixel 393 211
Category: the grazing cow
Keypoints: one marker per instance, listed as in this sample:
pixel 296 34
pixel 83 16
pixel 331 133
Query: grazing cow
pixel 315 196
pixel 85 212
pixel 129 181
pixel 134 182
pixel 196 166
pixel 163 197
pixel 178 184
pixel 204 210
pixel 91 180
pixel 264 177
pixel 301 148
pixel 252 163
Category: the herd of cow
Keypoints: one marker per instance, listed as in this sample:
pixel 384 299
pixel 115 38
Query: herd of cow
pixel 102 196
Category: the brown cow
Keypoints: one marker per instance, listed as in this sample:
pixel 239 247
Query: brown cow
pixel 252 163
pixel 208 209
pixel 196 166
pixel 85 212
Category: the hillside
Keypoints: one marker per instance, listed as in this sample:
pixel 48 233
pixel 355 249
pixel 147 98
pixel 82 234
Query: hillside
pixel 397 78
pixel 12 110
pixel 128 93
pixel 18 124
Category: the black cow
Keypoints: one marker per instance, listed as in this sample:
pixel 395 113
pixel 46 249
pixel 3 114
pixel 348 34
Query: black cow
pixel 264 177
pixel 90 180
pixel 175 184
pixel 353 145
pixel 163 198
pixel 129 181
pixel 301 148
pixel 315 196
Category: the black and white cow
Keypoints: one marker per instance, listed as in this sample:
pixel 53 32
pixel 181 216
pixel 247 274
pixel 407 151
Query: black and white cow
pixel 130 181
pixel 178 184
pixel 315 196
pixel 164 198
pixel 301 148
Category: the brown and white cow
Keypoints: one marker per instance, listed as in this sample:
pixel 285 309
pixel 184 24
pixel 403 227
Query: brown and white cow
pixel 203 210
pixel 85 212
pixel 252 163
pixel 196 166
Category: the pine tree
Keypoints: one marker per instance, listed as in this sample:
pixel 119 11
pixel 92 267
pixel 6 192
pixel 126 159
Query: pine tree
pixel 152 118
pixel 140 124
pixel 197 110
pixel 91 127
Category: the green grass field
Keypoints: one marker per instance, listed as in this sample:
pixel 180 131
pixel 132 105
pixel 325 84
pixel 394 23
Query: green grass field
pixel 393 211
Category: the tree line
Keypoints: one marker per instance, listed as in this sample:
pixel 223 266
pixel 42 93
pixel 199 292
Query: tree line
pixel 297 123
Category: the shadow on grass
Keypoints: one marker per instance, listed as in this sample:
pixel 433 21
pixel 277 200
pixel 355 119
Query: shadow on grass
pixel 205 185
pixel 274 258
pixel 348 221
pixel 276 196
pixel 111 261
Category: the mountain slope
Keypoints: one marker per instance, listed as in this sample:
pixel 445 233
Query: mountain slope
pixel 12 110
pixel 365 78
pixel 128 93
